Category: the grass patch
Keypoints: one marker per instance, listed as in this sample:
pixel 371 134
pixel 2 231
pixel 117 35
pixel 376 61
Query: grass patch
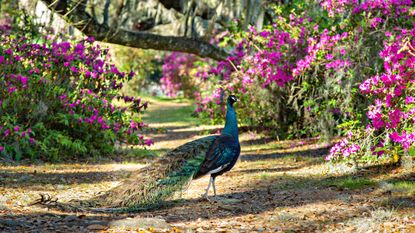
pixel 351 183
pixel 139 153
pixel 164 99
pixel 265 176
pixel 407 187
pixel 180 115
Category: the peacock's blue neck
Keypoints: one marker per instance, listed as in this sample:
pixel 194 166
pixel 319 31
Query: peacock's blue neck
pixel 231 124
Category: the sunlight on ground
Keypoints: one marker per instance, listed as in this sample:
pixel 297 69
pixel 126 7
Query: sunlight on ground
pixel 275 187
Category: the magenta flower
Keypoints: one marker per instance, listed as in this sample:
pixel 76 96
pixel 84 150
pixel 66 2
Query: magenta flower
pixel 7 132
pixel 79 48
pixel 23 80
pixel 395 137
pixel 133 125
pixel 63 96
pixel 409 100
pixel 395 117
pixel 90 39
pixel 87 74
pixel 11 90
pixel 74 69
pixel 375 21
pixel 8 51
pixel 148 142
pixel 131 74
pixel 264 34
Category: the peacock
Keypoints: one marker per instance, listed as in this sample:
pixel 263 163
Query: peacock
pixel 211 155
pixel 224 151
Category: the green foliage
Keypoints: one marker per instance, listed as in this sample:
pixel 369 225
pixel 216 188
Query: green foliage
pixel 58 97
pixel 146 64
pixel 407 187
pixel 351 183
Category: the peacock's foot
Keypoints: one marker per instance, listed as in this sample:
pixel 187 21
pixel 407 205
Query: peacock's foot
pixel 207 198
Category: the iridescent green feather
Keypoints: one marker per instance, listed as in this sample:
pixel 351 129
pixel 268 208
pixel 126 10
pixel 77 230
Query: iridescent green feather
pixel 159 181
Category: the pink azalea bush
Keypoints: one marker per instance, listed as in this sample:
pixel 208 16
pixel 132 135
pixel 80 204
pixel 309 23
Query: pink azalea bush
pixel 330 68
pixel 176 70
pixel 281 76
pixel 392 113
pixel 57 99
pixel 385 7
pixel 186 74
pixel 389 112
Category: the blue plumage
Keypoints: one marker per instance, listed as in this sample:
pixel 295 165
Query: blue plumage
pixel 225 149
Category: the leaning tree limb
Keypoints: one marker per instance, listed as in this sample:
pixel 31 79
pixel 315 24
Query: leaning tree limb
pixel 73 11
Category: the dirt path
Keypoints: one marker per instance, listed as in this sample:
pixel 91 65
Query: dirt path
pixel 275 187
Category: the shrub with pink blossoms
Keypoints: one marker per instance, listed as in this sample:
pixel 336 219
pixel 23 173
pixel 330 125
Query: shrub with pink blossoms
pixel 177 69
pixel 57 100
pixel 300 76
pixel 261 62
pixel 392 113
pixel 283 77
pixel 387 8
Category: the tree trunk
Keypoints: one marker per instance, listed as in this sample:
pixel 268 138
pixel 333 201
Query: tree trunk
pixel 79 18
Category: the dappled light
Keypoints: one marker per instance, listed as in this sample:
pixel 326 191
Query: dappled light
pixel 270 188
pixel 207 116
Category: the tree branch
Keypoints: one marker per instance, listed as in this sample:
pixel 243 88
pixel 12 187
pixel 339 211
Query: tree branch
pixel 106 12
pixel 101 32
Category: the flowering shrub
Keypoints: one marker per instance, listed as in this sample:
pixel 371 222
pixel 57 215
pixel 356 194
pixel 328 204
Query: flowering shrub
pixel 392 112
pixel 177 69
pixel 57 99
pixel 385 7
pixel 389 115
pixel 306 74
pixel 283 76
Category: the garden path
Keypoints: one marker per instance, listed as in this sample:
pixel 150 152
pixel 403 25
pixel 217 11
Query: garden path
pixel 275 187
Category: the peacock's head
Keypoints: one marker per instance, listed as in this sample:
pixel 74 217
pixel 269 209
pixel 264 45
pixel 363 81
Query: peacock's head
pixel 232 99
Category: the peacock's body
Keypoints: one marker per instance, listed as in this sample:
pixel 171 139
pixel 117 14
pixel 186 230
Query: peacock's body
pixel 212 155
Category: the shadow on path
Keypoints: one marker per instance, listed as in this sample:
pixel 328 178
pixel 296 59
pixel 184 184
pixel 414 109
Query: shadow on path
pixel 34 181
pixel 319 152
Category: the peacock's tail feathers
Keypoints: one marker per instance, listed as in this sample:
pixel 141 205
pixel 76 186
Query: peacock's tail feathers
pixel 162 179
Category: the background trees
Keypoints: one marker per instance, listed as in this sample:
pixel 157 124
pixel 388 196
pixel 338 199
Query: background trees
pixel 184 26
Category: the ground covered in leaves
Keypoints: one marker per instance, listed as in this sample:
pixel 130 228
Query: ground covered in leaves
pixel 275 187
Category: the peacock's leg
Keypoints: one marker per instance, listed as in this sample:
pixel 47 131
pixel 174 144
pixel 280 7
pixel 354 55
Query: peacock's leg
pixel 213 184
pixel 207 189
